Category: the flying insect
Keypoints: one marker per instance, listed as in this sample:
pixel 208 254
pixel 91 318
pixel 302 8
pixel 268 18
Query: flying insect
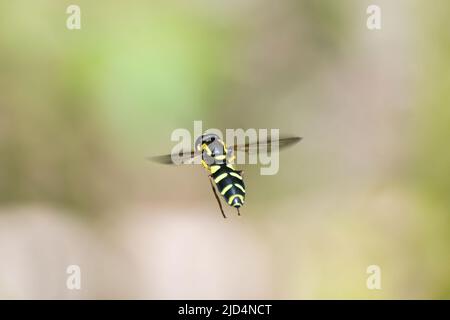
pixel 218 160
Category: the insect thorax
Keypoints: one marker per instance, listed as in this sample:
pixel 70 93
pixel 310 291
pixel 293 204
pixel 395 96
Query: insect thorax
pixel 213 150
pixel 213 154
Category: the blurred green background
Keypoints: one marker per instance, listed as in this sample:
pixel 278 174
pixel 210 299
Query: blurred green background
pixel 80 110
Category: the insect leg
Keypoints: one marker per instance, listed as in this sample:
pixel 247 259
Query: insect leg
pixel 217 198
pixel 238 212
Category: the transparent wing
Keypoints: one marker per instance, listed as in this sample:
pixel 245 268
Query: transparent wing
pixel 254 147
pixel 186 157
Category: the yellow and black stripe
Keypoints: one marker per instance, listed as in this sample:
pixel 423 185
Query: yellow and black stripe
pixel 218 162
pixel 229 182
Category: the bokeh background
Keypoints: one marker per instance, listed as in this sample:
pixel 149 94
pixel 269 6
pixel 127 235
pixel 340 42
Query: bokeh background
pixel 80 110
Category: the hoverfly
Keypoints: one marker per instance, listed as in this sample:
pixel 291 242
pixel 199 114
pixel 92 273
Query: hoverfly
pixel 218 160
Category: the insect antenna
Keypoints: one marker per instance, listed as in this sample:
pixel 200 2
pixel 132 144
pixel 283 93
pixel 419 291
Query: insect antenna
pixel 217 198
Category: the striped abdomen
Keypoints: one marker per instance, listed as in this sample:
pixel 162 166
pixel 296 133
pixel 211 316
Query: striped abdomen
pixel 230 184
